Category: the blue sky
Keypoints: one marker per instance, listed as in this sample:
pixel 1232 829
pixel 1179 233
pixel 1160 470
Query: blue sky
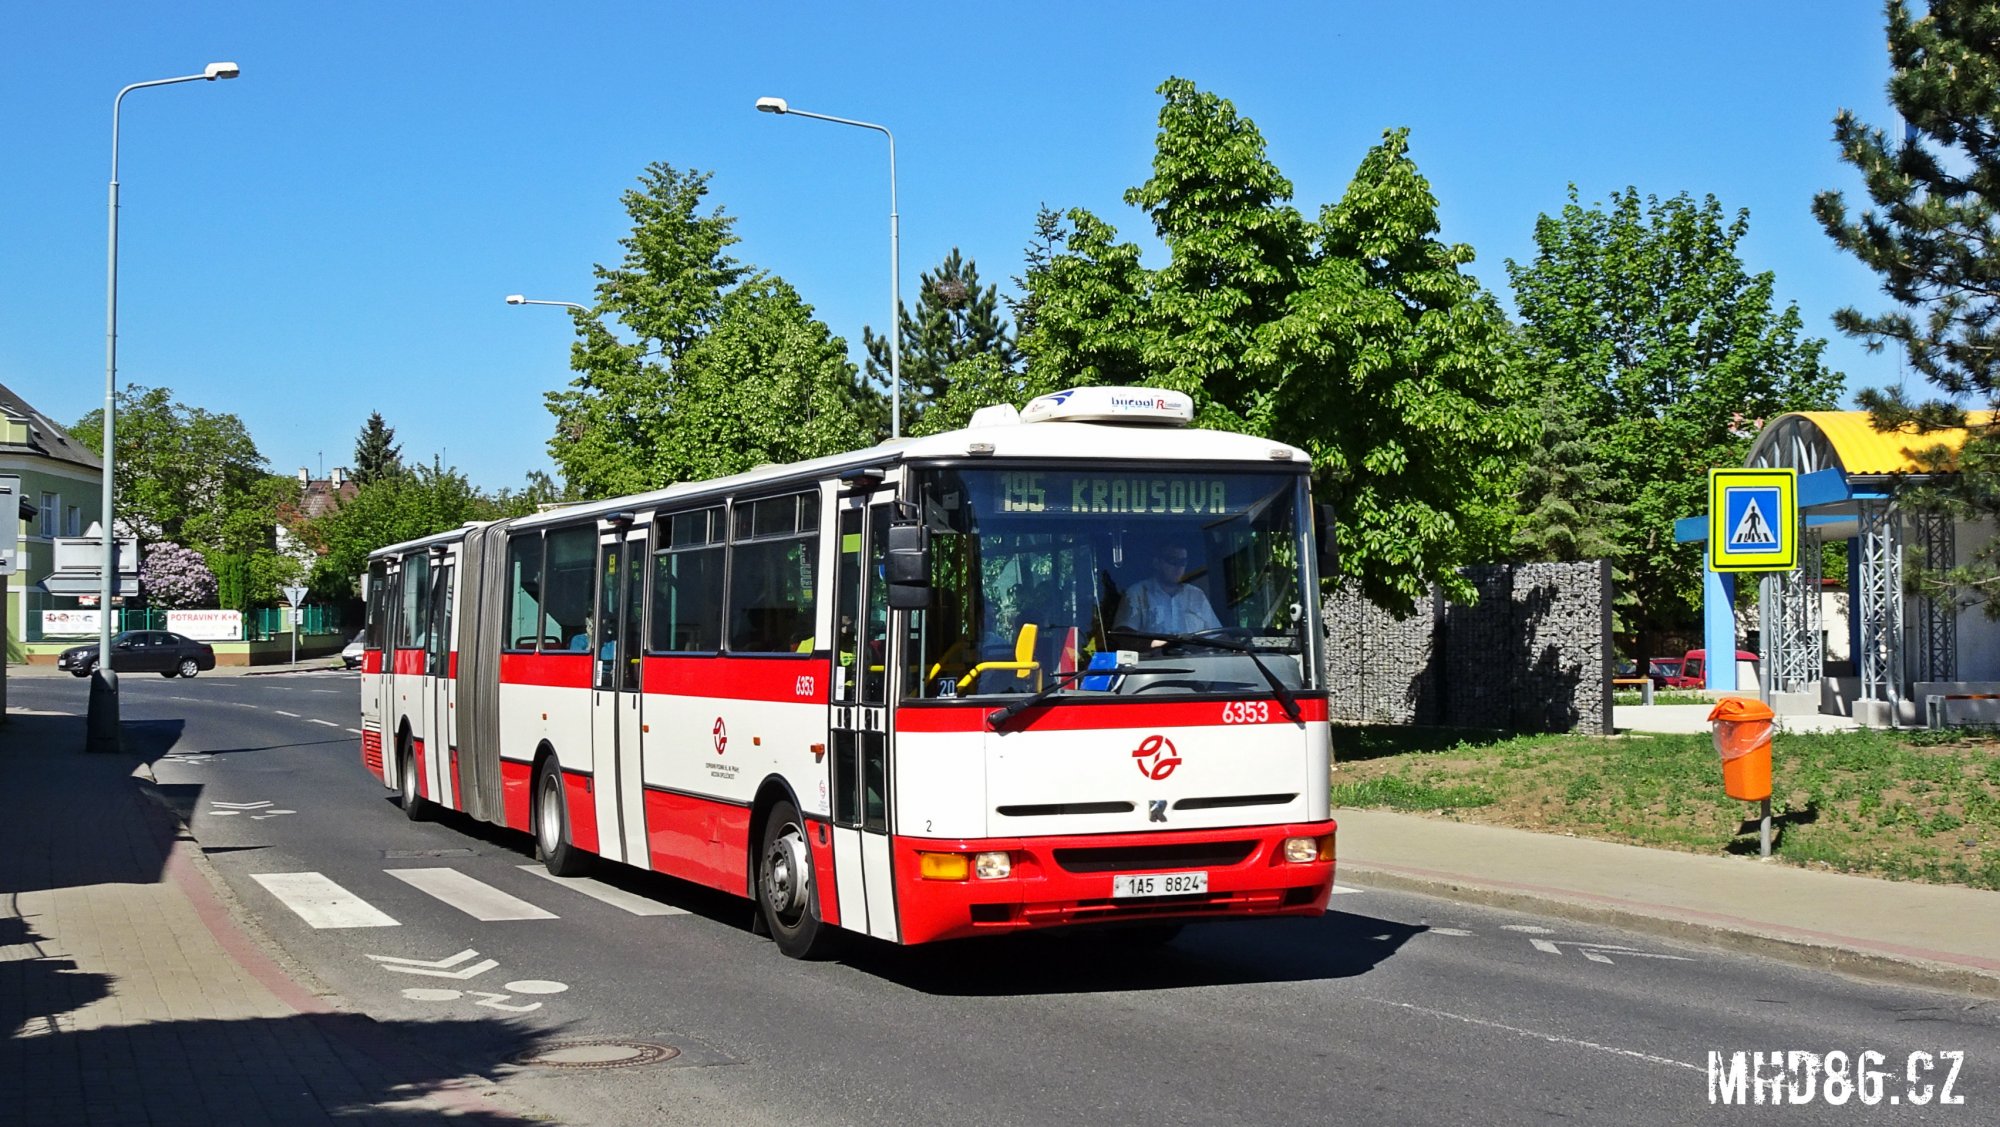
pixel 333 233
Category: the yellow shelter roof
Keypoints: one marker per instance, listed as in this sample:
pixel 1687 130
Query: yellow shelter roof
pixel 1864 451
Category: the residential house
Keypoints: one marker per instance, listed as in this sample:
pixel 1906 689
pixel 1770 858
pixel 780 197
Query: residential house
pixel 65 483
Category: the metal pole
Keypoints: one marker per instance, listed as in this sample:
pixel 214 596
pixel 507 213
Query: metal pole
pixel 895 301
pixel 101 726
pixel 1764 832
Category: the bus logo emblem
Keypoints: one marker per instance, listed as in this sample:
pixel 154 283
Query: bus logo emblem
pixel 1156 757
pixel 721 735
pixel 1158 809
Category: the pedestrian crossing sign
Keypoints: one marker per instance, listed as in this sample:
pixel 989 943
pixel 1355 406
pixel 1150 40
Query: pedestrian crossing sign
pixel 1753 520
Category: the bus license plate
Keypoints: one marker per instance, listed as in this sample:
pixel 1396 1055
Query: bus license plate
pixel 1158 884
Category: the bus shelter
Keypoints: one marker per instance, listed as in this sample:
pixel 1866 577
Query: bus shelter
pixel 1912 653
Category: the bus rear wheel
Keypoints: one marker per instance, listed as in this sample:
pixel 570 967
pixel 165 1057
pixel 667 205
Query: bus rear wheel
pixel 787 895
pixel 553 846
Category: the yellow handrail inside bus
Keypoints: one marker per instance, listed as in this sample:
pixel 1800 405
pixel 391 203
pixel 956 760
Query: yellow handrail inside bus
pixel 1023 664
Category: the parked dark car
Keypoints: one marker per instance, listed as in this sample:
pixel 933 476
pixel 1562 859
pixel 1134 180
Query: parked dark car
pixel 143 651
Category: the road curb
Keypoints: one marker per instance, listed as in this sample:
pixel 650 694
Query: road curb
pixel 1808 952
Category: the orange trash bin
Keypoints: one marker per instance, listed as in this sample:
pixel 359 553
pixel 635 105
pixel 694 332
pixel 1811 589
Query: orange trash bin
pixel 1743 739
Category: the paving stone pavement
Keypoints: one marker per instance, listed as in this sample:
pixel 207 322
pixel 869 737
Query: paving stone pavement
pixel 129 996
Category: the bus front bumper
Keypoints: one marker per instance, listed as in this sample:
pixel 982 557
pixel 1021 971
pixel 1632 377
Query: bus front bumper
pixel 1073 880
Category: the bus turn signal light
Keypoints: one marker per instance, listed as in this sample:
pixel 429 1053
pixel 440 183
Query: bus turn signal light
pixel 942 866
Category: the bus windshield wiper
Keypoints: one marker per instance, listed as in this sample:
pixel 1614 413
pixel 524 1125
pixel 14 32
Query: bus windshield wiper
pixel 1219 639
pixel 997 719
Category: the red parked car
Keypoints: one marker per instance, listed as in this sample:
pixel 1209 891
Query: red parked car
pixel 1664 671
pixel 1694 669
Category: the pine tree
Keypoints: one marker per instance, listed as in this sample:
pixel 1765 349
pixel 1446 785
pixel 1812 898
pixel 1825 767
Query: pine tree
pixel 956 321
pixel 377 455
pixel 1934 237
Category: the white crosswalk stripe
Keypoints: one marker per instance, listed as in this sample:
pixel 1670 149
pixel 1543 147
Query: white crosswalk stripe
pixel 475 898
pixel 616 897
pixel 322 903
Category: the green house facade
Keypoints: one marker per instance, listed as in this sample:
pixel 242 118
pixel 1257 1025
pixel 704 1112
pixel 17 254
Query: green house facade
pixel 64 481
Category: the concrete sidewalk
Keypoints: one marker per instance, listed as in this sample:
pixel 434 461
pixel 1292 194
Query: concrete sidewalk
pixel 130 995
pixel 1933 935
pixel 1693 718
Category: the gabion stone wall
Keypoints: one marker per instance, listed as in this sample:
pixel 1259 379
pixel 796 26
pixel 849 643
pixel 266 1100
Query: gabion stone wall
pixel 1532 655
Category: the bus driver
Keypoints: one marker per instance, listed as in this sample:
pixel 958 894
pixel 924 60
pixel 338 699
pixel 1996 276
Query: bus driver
pixel 1162 604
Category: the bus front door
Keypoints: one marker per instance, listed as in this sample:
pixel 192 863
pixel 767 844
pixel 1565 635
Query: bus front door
pixel 615 696
pixel 442 686
pixel 864 666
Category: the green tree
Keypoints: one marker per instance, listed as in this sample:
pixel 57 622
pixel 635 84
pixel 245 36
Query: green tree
pixel 956 320
pixel 769 383
pixel 405 506
pixel 1567 510
pixel 1931 238
pixel 377 455
pixel 1641 319
pixel 1355 335
pixel 181 470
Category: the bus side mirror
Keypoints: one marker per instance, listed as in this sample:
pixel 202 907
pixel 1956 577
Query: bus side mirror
pixel 1329 543
pixel 909 566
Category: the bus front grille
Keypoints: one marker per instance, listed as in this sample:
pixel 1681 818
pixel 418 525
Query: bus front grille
pixel 1138 858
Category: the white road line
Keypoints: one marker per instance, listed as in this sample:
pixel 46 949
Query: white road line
pixel 1550 1037
pixel 328 723
pixel 356 731
pixel 475 898
pixel 282 712
pixel 1344 890
pixel 616 897
pixel 320 902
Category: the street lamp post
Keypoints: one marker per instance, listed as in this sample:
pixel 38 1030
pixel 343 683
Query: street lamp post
pixel 102 724
pixel 780 106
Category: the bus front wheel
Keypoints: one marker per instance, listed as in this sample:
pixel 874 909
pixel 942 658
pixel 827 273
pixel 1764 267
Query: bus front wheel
pixel 787 895
pixel 552 843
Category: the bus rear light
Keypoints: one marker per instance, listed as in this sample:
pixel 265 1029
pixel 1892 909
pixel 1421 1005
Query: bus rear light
pixel 942 866
pixel 1304 850
pixel 993 866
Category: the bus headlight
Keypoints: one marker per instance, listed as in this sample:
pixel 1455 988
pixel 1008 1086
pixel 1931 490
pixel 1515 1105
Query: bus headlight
pixel 941 866
pixel 992 866
pixel 1303 850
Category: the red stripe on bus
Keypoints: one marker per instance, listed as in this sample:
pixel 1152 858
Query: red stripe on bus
pixel 579 793
pixel 699 839
pixel 423 788
pixel 409 663
pixel 798 680
pixel 457 788
pixel 452 667
pixel 517 785
pixel 371 661
pixel 562 670
pixel 1139 713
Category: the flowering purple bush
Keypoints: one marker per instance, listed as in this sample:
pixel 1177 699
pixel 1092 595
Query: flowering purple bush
pixel 176 578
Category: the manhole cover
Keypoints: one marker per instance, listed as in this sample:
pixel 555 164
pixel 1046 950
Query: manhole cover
pixel 599 1054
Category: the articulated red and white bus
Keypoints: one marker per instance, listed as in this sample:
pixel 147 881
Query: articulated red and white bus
pixel 1062 667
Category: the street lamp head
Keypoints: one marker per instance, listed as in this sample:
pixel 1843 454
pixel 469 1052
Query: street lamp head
pixel 214 71
pixel 517 299
pixel 773 105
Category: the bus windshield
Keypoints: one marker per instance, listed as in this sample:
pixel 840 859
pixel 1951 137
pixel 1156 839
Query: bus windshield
pixel 1112 583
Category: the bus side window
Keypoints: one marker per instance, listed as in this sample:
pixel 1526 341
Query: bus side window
pixel 523 629
pixel 569 586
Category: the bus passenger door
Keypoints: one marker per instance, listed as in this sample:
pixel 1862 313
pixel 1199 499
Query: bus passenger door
pixel 436 776
pixel 385 682
pixel 615 696
pixel 862 670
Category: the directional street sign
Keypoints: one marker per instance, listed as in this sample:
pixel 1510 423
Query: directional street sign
pixel 1753 519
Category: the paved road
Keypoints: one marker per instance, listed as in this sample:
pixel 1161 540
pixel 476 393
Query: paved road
pixel 1392 1008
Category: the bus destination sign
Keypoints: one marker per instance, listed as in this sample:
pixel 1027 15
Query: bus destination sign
pixel 1148 494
